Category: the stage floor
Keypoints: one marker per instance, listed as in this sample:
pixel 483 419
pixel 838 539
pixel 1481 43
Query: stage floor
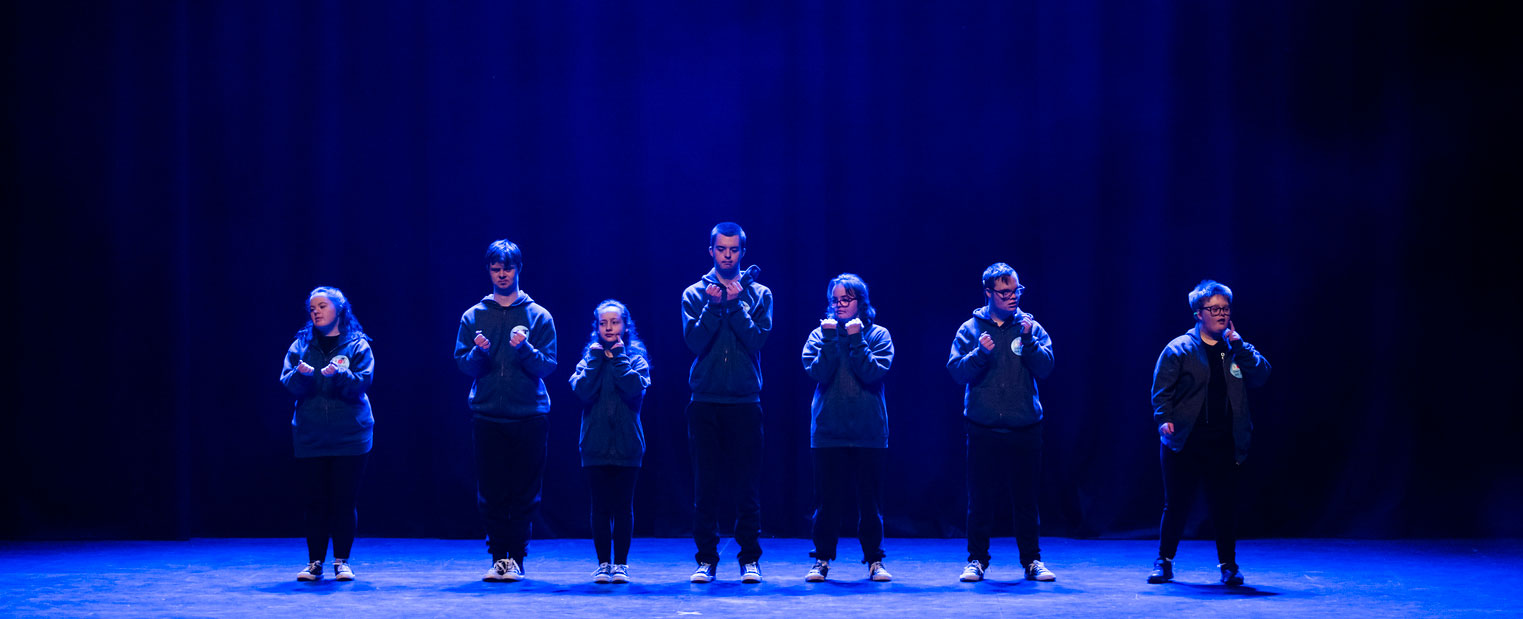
pixel 222 577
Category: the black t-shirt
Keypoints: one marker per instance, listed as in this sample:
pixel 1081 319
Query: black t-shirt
pixel 329 343
pixel 1217 420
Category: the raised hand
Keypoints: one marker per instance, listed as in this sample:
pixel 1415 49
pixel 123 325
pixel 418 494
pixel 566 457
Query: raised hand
pixel 1166 429
pixel 732 290
pixel 828 323
pixel 854 326
pixel 330 369
pixel 306 370
pixel 520 333
pixel 482 342
pixel 715 293
pixel 1232 334
pixel 986 341
pixel 1027 322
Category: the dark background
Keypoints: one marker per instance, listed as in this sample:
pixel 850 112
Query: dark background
pixel 181 174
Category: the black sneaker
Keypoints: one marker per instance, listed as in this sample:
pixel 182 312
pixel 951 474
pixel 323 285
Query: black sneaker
pixel 1231 576
pixel 313 571
pixel 1163 571
pixel 704 573
pixel 819 572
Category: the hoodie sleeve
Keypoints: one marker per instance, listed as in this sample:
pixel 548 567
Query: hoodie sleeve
pixel 701 321
pixel 968 359
pixel 752 328
pixel 1165 377
pixel 297 383
pixel 870 354
pixel 1036 352
pixel 469 357
pixel 584 380
pixel 537 353
pixel 355 381
pixel 820 355
pixel 631 374
pixel 1254 366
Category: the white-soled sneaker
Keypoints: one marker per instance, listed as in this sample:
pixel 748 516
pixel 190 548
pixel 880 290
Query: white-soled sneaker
pixel 603 574
pixel 313 571
pixel 818 573
pixel 342 571
pixel 1036 571
pixel 504 570
pixel 704 573
pixel 750 573
pixel 973 572
pixel 876 572
pixel 621 574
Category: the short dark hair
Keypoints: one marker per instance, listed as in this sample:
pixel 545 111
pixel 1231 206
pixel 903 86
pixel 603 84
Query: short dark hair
pixel 727 228
pixel 1206 289
pixel 503 251
pixel 857 288
pixel 997 271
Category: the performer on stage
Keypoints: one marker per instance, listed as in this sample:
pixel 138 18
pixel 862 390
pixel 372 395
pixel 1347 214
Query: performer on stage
pixel 849 353
pixel 1200 405
pixel 1000 353
pixel 506 343
pixel 726 319
pixel 611 380
pixel 328 368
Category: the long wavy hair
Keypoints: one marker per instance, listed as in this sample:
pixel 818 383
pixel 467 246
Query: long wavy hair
pixel 348 326
pixel 855 287
pixel 632 339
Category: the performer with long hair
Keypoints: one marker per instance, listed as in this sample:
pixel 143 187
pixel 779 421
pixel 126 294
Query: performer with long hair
pixel 328 368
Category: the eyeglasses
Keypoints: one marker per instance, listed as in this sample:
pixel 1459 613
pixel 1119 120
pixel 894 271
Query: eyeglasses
pixel 1217 310
pixel 842 300
pixel 1007 294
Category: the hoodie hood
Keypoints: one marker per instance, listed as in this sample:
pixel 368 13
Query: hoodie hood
pixel 523 297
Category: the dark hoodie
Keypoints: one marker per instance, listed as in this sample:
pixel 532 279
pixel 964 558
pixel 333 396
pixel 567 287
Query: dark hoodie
pixel 727 339
pixel 1182 378
pixel 848 408
pixel 611 390
pixel 332 415
pixel 507 385
pixel 1001 384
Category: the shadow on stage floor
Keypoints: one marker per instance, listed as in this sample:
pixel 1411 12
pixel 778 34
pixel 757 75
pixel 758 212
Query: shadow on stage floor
pixel 215 577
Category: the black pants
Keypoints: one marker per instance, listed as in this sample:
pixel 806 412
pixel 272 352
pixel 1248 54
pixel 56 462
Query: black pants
pixel 613 504
pixel 510 470
pixel 1003 469
pixel 726 444
pixel 841 473
pixel 1214 463
pixel 330 485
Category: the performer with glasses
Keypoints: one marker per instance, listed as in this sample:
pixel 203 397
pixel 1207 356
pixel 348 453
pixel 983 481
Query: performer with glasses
pixel 1200 405
pixel 848 354
pixel 999 354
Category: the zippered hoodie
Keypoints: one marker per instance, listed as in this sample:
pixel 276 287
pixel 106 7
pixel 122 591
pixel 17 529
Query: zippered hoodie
pixel 508 385
pixel 1001 383
pixel 611 390
pixel 333 416
pixel 727 339
pixel 848 408
pixel 1181 380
